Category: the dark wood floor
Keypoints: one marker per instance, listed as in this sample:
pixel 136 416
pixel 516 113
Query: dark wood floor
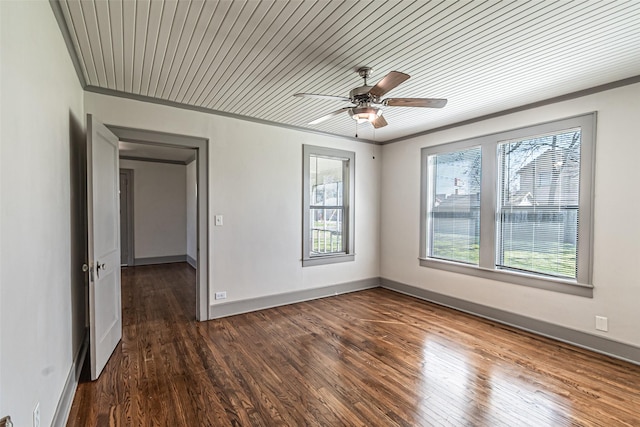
pixel 370 358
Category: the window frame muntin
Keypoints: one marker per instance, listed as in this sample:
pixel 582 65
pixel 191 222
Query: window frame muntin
pixel 348 199
pixel 582 286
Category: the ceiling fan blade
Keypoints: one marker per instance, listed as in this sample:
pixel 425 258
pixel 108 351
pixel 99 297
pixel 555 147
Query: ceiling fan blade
pixel 328 116
pixel 379 122
pixel 390 81
pixel 313 95
pixel 415 102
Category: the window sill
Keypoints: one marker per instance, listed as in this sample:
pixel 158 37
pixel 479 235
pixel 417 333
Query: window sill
pixel 547 283
pixel 327 259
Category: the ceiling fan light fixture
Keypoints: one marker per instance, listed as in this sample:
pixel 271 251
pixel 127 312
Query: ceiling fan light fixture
pixel 365 114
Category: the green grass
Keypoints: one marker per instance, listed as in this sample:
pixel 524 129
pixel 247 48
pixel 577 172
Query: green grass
pixel 561 263
pixel 558 260
pixel 455 247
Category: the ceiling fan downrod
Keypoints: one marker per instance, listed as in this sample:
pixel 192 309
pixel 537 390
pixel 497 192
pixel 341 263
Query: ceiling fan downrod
pixel 365 73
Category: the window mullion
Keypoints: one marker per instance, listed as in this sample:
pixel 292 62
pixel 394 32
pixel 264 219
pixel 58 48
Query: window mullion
pixel 488 205
pixel 426 184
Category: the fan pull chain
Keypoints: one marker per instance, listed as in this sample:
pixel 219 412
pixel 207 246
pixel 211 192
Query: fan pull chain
pixel 374 138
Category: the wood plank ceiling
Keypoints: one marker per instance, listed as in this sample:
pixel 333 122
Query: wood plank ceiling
pixel 249 57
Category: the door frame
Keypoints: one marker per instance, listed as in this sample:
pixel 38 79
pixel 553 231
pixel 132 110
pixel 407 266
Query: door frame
pixel 129 217
pixel 201 145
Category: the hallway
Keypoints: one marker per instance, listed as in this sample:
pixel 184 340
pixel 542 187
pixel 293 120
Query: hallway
pixel 158 304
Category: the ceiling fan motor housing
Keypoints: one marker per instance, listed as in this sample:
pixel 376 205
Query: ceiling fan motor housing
pixel 361 96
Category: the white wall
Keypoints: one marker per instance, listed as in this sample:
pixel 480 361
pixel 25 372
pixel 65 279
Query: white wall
pixel 616 229
pixel 2 13
pixel 42 301
pixel 256 183
pixel 159 208
pixel 192 214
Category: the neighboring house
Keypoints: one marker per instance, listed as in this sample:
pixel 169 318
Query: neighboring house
pixel 551 179
pixel 521 198
pixel 457 214
pixel 457 204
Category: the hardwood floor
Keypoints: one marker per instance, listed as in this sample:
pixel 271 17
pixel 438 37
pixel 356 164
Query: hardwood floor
pixel 369 358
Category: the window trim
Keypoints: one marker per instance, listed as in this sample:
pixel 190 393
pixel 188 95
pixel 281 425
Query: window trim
pixel 582 286
pixel 348 201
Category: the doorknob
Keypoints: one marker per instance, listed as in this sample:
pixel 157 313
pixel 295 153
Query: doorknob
pixel 99 267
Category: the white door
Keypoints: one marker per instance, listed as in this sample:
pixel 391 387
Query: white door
pixel 105 314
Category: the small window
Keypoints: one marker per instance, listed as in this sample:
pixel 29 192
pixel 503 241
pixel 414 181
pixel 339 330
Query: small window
pixel 514 206
pixel 328 205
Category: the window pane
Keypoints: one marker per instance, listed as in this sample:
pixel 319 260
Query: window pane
pixel 326 231
pixel 326 181
pixel 327 205
pixel 539 181
pixel 454 205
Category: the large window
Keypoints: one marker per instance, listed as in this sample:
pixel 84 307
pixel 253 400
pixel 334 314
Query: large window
pixel 513 206
pixel 328 205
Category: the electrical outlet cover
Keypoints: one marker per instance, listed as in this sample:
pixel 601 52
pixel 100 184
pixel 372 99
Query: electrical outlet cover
pixel 602 323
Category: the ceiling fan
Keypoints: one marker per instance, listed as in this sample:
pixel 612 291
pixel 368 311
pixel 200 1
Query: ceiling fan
pixel 367 99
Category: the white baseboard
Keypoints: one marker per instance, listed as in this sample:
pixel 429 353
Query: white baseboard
pixel 159 260
pixel 63 409
pixel 192 262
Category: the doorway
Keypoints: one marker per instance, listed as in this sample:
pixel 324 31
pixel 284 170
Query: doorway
pixel 199 146
pixel 126 217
